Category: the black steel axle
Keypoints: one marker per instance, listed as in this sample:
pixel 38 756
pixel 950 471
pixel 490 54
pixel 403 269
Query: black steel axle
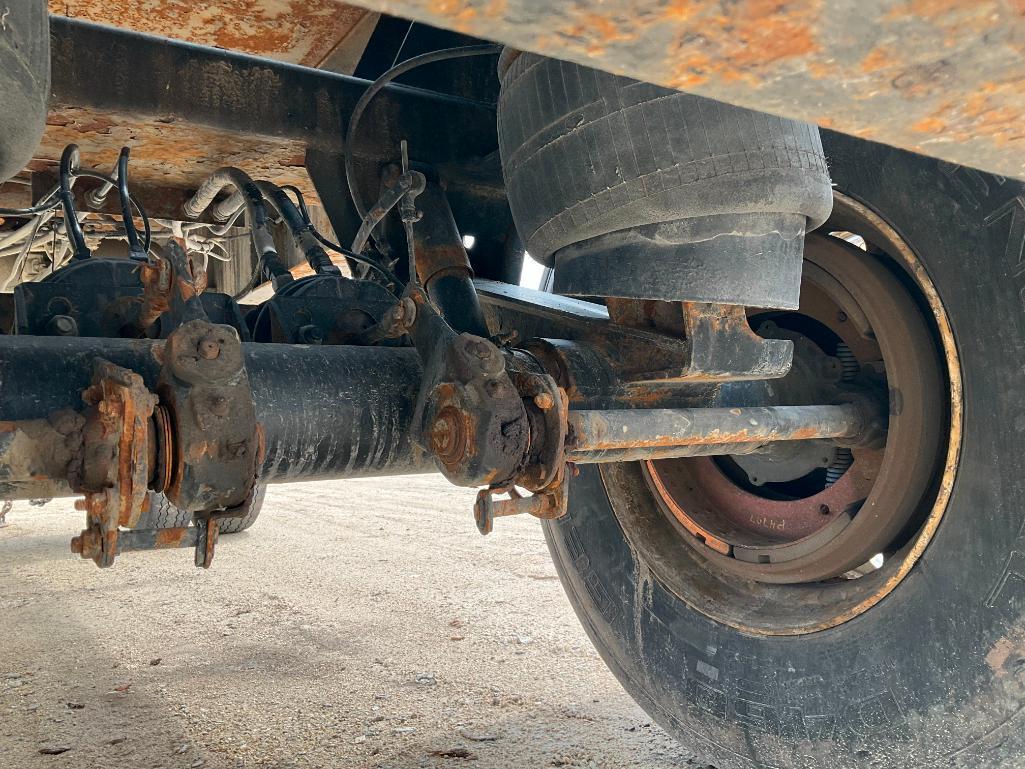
pixel 346 411
pixel 325 412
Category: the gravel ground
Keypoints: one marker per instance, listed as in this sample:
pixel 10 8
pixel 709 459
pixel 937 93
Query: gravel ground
pixel 357 624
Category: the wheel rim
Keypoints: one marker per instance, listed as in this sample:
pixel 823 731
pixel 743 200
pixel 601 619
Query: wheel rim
pixel 888 501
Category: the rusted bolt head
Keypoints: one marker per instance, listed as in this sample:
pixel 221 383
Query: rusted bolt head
pixel 87 544
pixel 447 438
pixel 477 349
pixel 483 514
pixel 62 325
pixel 442 434
pixel 544 401
pixel 209 348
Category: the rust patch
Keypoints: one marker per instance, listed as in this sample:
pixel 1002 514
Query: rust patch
pixel 461 14
pixel 876 71
pixel 434 259
pixel 170 538
pixel 929 125
pixel 297 31
pixel 1008 649
pixel 706 537
pixel 168 154
pixel 740 45
pixel 879 58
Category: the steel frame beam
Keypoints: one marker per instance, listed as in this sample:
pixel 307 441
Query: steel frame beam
pixel 144 77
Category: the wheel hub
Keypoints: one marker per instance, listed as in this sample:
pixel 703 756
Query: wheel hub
pixel 801 512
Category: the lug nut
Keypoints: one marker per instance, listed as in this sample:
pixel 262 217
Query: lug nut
pixel 544 401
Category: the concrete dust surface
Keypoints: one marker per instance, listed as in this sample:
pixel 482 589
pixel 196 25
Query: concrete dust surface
pixel 359 623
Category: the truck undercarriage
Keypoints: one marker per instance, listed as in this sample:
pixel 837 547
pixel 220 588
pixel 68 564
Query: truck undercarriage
pixel 756 401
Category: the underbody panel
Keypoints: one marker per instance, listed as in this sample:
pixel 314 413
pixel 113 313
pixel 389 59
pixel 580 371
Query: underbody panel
pixel 937 77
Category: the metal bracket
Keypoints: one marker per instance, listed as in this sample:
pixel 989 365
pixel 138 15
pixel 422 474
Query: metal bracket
pixel 549 504
pixel 202 536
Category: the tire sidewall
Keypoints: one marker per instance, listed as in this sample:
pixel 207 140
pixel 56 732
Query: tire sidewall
pixel 934 674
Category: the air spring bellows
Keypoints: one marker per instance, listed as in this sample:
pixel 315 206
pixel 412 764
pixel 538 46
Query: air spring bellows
pixel 629 189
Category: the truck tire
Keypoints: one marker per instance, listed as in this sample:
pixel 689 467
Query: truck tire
pixel 920 663
pixel 162 514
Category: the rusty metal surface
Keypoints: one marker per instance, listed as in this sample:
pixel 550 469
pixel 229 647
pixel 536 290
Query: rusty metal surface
pixel 190 110
pixel 689 489
pixel 443 265
pixel 306 32
pixel 633 434
pixel 204 383
pixel 468 413
pixel 819 527
pixel 848 213
pixel 360 399
pixel 170 153
pixel 939 77
pixel 114 467
pixel 38 452
pixel 720 345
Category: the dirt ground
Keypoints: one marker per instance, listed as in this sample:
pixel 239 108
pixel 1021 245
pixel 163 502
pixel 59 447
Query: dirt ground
pixel 357 624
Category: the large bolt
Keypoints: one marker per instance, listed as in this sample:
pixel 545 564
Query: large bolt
pixel 88 544
pixel 311 334
pixel 544 401
pixel 442 434
pixel 62 325
pixel 448 441
pixel 209 348
pixel 491 362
